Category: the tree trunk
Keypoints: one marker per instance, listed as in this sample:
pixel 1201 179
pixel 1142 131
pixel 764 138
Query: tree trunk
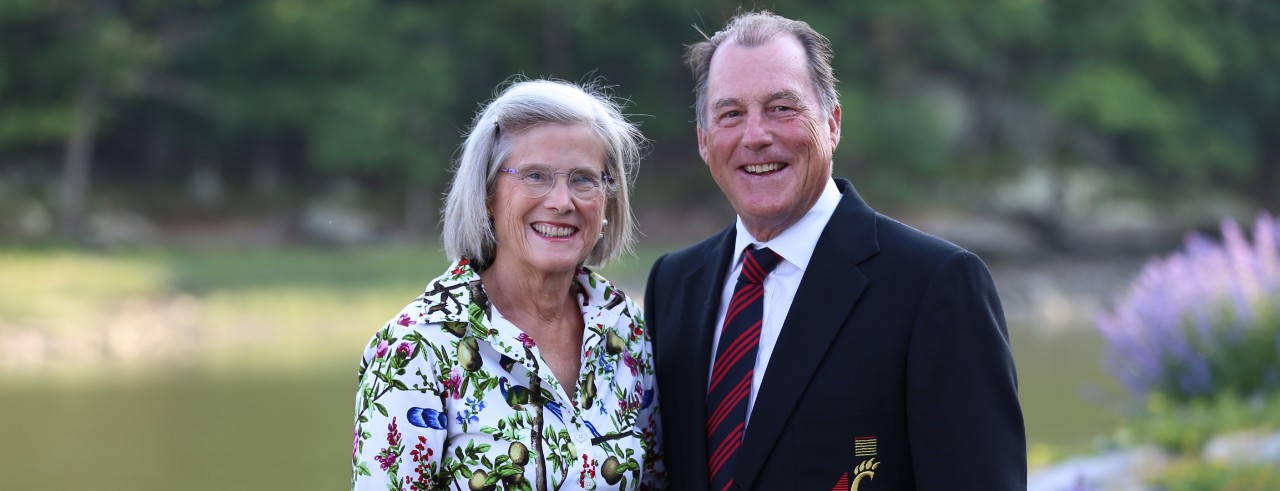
pixel 78 160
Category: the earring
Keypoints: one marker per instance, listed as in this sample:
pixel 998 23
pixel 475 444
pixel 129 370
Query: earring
pixel 603 224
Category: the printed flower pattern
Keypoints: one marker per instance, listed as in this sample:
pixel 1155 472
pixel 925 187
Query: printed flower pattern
pixel 471 397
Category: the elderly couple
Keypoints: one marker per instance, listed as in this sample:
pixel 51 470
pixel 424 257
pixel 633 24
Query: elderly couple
pixel 812 345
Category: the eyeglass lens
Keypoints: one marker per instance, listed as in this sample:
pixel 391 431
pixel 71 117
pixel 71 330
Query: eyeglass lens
pixel 539 181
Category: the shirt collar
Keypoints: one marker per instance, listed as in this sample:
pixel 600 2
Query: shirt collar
pixel 452 299
pixel 796 243
pixel 603 304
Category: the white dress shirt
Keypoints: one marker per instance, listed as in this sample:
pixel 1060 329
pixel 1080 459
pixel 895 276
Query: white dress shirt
pixel 795 245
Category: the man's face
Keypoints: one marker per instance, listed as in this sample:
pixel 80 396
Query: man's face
pixel 767 141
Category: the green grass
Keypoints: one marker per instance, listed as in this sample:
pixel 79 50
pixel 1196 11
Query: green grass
pixel 248 379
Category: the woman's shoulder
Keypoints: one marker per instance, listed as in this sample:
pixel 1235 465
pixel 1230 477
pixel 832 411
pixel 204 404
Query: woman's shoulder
pixel 606 295
pixel 438 315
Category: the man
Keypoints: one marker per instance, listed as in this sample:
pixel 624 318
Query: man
pixel 876 357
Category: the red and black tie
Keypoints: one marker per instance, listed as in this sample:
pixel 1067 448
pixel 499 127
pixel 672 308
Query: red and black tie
pixel 734 366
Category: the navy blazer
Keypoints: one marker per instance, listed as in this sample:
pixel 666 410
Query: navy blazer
pixel 892 371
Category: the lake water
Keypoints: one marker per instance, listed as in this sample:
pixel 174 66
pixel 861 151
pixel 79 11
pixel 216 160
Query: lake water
pixel 1067 397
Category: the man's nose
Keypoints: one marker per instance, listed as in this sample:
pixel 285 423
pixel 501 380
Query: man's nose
pixel 756 133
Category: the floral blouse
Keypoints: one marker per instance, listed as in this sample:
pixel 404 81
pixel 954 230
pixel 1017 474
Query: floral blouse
pixel 453 396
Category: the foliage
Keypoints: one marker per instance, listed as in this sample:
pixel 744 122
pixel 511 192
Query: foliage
pixel 934 92
pixel 1194 475
pixel 1204 321
pixel 1186 428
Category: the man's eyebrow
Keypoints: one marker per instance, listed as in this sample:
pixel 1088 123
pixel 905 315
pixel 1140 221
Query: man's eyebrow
pixel 785 94
pixel 728 101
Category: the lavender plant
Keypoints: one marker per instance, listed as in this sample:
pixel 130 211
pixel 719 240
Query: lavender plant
pixel 1203 321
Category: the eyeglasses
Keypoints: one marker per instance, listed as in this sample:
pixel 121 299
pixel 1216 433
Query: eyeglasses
pixel 539 180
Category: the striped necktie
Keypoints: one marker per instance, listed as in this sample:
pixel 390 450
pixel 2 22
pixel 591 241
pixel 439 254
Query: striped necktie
pixel 734 366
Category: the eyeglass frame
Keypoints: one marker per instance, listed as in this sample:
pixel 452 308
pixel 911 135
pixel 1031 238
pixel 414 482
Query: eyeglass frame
pixel 607 184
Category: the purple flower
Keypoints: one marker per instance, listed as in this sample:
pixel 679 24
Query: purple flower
pixel 404 350
pixel 454 383
pixel 526 340
pixel 1185 319
pixel 382 349
pixel 631 363
pixel 388 455
pixel 404 320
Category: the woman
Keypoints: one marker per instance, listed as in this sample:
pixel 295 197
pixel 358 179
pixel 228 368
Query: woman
pixel 519 368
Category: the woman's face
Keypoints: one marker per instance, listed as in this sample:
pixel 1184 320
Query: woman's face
pixel 556 232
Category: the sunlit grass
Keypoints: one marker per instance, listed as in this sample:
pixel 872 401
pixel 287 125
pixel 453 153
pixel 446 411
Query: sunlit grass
pixel 65 289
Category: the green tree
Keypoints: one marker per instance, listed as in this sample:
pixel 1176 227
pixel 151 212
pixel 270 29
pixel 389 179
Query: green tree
pixel 63 65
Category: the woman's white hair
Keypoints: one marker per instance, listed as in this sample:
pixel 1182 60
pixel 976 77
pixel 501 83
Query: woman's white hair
pixel 521 105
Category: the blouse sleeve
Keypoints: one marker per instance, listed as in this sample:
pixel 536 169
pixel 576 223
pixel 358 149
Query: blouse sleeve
pixel 400 423
pixel 648 422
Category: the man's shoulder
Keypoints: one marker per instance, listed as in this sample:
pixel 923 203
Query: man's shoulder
pixel 695 254
pixel 896 234
pixel 907 251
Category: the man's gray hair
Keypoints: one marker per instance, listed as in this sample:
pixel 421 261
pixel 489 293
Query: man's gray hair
pixel 751 29
pixel 521 105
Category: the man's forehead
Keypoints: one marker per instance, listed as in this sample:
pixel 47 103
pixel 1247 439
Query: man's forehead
pixel 751 73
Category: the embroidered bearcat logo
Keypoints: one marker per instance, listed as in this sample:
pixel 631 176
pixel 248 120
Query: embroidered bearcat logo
pixel 867 469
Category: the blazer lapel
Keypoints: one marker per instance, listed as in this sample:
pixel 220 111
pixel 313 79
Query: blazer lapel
pixel 830 288
pixel 703 286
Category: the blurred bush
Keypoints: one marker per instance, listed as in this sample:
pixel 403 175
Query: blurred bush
pixel 1186 428
pixel 1202 322
pixel 1201 476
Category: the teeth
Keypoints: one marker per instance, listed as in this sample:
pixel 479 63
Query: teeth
pixel 762 168
pixel 553 230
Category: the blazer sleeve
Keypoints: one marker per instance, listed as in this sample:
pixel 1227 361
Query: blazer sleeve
pixel 963 415
pixel 651 300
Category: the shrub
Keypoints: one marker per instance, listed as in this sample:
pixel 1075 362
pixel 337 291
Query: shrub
pixel 1203 321
pixel 1186 428
pixel 1193 475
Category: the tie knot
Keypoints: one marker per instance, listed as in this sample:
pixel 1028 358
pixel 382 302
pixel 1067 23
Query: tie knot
pixel 757 264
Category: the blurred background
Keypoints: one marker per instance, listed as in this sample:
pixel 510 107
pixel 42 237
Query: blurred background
pixel 208 206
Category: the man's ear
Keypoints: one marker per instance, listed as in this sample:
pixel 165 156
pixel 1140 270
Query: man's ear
pixel 833 123
pixel 702 145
